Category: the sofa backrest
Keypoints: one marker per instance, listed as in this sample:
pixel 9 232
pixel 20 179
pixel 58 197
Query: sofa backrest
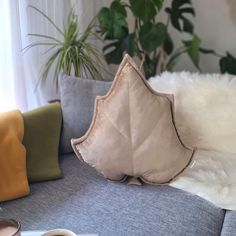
pixel 77 102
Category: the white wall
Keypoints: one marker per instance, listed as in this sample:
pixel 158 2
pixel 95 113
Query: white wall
pixel 215 23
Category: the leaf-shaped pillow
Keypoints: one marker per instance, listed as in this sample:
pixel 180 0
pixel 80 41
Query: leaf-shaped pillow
pixel 132 132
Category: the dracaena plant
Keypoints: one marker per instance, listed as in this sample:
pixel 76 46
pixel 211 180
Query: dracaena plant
pixel 149 39
pixel 70 52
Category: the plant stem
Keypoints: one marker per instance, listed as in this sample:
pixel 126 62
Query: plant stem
pixel 140 52
pixel 167 22
pixel 162 58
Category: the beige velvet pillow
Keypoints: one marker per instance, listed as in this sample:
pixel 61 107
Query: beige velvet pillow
pixel 132 132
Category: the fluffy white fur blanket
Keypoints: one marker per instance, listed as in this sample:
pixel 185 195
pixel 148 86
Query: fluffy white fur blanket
pixel 205 118
pixel 211 175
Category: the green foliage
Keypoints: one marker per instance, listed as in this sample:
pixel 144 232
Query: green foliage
pixel 146 10
pixel 193 47
pixel 149 39
pixel 113 23
pixel 177 14
pixel 152 36
pixel 72 54
pixel 228 64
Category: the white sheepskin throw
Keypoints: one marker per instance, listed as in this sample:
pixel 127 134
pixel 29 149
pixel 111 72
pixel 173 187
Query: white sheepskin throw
pixel 205 118
pixel 205 108
pixel 212 176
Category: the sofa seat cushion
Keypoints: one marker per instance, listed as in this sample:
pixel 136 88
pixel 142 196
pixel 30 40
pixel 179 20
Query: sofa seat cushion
pixel 87 203
pixel 229 226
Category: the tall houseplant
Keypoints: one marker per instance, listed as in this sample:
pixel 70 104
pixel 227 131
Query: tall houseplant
pixel 149 39
pixel 71 53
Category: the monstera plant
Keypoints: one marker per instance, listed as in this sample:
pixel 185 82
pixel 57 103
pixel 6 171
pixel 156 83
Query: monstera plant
pixel 149 39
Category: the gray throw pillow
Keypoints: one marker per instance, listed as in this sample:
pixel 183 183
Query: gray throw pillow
pixel 77 102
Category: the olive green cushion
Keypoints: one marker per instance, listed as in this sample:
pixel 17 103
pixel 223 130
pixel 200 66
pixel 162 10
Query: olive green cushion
pixel 41 140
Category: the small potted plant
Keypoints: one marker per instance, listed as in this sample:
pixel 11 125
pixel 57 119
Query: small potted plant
pixel 71 52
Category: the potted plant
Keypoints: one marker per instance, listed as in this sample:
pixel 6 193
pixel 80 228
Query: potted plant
pixel 71 53
pixel 149 39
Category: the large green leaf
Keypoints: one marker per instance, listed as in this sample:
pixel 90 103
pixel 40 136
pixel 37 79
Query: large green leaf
pixel 158 3
pixel 193 47
pixel 144 9
pixel 188 10
pixel 168 44
pixel 118 7
pixel 179 3
pixel 120 26
pixel 174 18
pixel 152 36
pixel 129 44
pixel 177 13
pixel 115 54
pixel 228 64
pixel 187 25
pixel 114 51
pixel 112 23
pixel 104 17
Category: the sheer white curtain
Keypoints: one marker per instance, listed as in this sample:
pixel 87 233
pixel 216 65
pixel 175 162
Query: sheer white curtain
pixel 19 72
pixel 11 75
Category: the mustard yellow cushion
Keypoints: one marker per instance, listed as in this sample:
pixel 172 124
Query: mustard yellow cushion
pixel 133 133
pixel 13 179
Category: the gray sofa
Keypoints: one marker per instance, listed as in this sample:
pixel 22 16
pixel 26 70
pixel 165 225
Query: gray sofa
pixel 85 202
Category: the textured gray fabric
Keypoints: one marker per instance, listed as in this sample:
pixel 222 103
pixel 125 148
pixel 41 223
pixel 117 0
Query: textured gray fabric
pixel 77 103
pixel 229 226
pixel 87 203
